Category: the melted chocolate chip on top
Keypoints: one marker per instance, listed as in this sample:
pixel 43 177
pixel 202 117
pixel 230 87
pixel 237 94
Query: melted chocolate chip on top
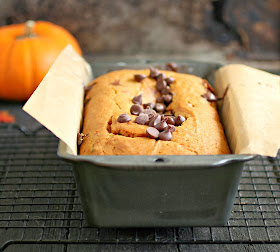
pixel 165 135
pixel 152 132
pixel 209 96
pixel 137 99
pixel 160 107
pixel 136 109
pixel 154 121
pixel 161 125
pixel 124 118
pixel 154 72
pixel 139 77
pixel 142 119
pixel 179 120
pixel 172 67
pixel 169 80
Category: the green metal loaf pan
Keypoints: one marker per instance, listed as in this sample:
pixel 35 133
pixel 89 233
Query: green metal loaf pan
pixel 156 191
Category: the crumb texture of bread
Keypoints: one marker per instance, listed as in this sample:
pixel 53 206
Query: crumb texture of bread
pixel 112 94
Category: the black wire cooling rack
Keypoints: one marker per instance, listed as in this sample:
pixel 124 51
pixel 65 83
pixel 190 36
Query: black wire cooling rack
pixel 39 202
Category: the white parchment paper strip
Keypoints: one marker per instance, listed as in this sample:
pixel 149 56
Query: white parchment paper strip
pixel 58 101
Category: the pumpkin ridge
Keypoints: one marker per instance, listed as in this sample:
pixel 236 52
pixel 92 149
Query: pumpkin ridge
pixel 7 70
pixel 22 49
pixel 29 87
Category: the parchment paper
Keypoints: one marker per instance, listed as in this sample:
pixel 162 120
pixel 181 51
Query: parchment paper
pixel 250 111
pixel 58 101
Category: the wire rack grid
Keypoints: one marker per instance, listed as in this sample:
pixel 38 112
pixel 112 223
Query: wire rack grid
pixel 40 203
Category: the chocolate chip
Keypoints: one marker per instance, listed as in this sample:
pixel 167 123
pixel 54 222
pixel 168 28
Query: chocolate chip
pixel 160 99
pixel 169 120
pixel 179 120
pixel 136 109
pixel 165 90
pixel 161 77
pixel 167 98
pixel 80 138
pixel 154 72
pixel 149 112
pixel 172 128
pixel 137 99
pixel 151 116
pixel 171 66
pixel 139 77
pixel 169 80
pixel 161 84
pixel 151 105
pixel 161 125
pixel 142 119
pixel 165 135
pixel 160 107
pixel 152 132
pixel 209 96
pixel 124 118
pixel 154 121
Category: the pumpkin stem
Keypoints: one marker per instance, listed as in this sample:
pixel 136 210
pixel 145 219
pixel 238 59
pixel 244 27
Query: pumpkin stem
pixel 29 28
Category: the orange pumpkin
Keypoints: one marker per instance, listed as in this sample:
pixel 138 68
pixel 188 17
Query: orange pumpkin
pixel 26 53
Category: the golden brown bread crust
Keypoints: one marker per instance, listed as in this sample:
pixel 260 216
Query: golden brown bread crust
pixel 112 94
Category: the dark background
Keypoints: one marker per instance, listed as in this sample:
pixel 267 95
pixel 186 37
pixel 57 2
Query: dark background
pixel 240 29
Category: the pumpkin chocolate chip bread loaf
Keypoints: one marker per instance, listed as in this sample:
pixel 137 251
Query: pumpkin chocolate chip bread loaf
pixel 151 112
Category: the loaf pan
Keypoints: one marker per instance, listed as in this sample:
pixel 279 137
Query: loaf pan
pixel 156 191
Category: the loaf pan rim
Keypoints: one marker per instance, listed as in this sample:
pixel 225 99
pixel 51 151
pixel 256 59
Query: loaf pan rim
pixel 153 162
